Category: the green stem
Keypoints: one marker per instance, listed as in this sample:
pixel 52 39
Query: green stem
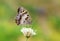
pixel 26 39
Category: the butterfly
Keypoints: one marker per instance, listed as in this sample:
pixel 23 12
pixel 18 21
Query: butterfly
pixel 23 16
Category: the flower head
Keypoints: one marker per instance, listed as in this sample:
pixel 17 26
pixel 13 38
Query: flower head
pixel 28 32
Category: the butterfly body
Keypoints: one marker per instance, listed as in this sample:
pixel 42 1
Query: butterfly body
pixel 23 16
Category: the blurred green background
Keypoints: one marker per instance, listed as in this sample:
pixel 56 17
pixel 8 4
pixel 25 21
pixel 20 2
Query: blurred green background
pixel 47 26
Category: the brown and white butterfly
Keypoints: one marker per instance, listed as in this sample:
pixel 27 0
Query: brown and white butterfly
pixel 23 16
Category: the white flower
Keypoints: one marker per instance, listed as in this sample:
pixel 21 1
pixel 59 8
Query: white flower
pixel 28 32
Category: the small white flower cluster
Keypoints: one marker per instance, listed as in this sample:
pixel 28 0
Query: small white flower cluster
pixel 28 32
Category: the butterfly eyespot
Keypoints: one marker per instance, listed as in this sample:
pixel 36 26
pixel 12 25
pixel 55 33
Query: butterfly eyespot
pixel 26 18
pixel 27 15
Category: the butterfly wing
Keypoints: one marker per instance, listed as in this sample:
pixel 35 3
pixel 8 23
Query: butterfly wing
pixel 23 16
